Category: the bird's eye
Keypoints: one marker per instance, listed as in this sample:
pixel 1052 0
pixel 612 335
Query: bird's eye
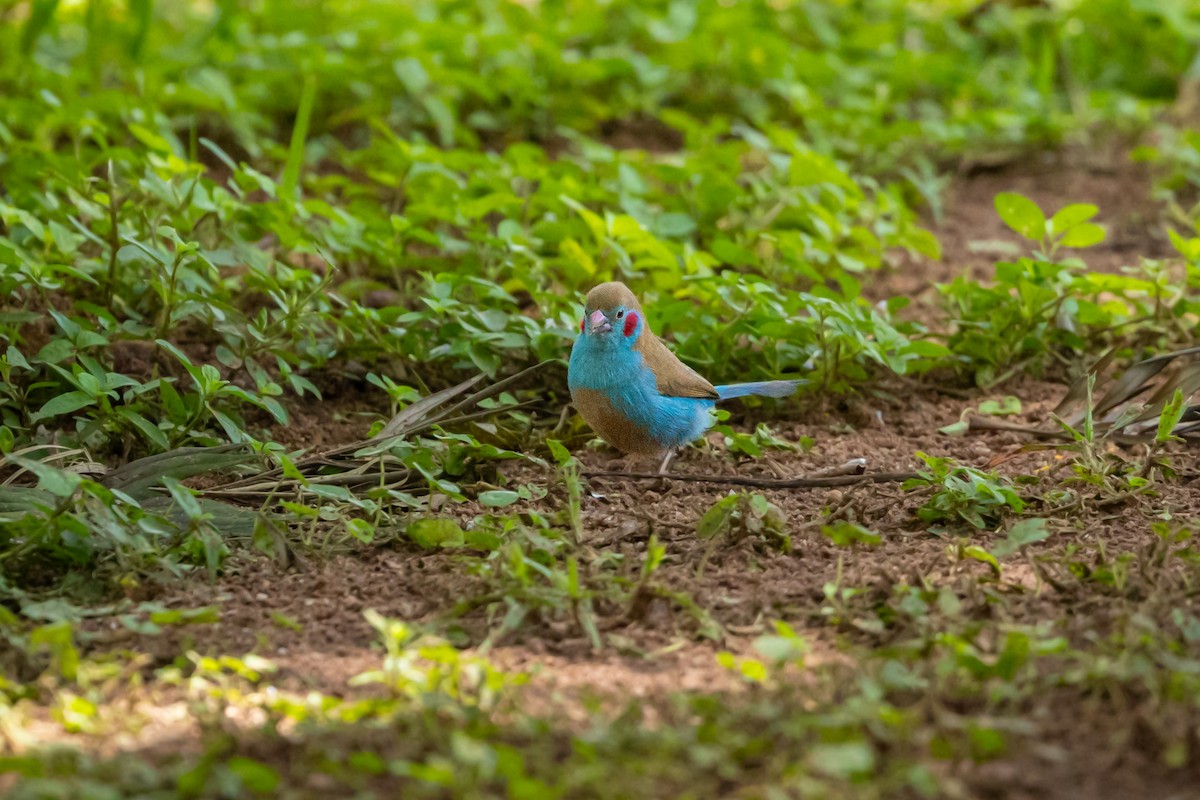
pixel 620 313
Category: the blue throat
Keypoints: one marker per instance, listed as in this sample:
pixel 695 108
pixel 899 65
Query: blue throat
pixel 610 365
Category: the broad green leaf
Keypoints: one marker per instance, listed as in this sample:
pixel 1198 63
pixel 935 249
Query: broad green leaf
pixel 498 498
pixel 148 429
pixel 732 253
pixel 1070 216
pixel 361 529
pixel 560 453
pixel 50 479
pixel 1005 406
pixel 1188 248
pixel 254 775
pixel 1022 215
pixel 1023 532
pixel 1085 235
pixel 574 253
pixel 925 243
pixel 436 532
pixel 955 429
pixel 847 534
pixel 412 74
pixel 184 498
pixel 717 519
pixel 63 404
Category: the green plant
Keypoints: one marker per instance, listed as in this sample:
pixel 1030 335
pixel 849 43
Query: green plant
pixel 962 494
pixel 1070 227
pixel 740 515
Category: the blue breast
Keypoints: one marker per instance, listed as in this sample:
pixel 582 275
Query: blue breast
pixel 606 365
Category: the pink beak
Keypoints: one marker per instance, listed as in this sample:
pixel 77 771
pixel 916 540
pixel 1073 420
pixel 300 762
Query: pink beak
pixel 598 323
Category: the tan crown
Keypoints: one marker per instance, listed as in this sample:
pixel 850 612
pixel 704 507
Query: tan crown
pixel 608 296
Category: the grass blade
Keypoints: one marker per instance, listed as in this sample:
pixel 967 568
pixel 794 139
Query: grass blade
pixel 295 156
pixel 40 17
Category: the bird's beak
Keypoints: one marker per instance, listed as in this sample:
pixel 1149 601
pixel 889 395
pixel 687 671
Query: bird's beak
pixel 598 323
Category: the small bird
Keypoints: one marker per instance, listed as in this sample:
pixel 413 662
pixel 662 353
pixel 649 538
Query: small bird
pixel 632 390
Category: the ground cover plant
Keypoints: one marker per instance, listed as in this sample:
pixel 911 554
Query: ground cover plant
pixel 293 501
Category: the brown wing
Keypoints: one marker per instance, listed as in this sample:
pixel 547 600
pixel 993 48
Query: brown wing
pixel 675 378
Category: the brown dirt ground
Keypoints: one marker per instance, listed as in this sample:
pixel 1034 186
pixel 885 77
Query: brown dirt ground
pixel 743 586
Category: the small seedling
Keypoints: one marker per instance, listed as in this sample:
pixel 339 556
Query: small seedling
pixel 963 494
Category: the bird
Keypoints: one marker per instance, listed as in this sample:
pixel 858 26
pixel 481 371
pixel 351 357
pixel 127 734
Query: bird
pixel 633 391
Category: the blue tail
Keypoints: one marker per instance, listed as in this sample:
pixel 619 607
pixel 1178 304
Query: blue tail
pixel 761 388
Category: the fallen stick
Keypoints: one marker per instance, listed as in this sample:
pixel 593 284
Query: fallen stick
pixel 805 482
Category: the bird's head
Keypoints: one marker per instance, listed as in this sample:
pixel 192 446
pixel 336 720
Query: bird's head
pixel 611 313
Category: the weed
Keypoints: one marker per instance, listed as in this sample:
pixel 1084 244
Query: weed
pixel 963 494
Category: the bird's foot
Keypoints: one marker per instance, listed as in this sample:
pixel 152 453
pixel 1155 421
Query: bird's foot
pixel 662 484
pixel 623 464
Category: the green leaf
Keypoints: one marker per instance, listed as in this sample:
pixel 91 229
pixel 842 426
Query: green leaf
pixel 1070 216
pixel 16 358
pixel 1171 414
pixel 1022 215
pixel 1085 235
pixel 361 529
pixel 436 532
pixel 780 648
pixel 40 17
pixel 959 428
pixel 560 453
pixel 205 615
pixel 846 534
pixel 731 253
pixel 979 554
pixel 148 429
pixel 674 226
pixel 63 404
pixel 254 775
pixel 55 481
pixel 498 498
pixel 843 759
pixel 184 498
pixel 142 11
pixel 1023 532
pixel 718 518
pixel 925 243
pixel 59 639
pixel 1005 406
pixel 295 156
pixel 412 74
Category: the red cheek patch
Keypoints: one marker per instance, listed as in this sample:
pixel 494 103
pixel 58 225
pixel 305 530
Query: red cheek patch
pixel 631 323
pixel 583 325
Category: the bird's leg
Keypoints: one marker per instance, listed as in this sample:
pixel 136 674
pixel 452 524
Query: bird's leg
pixel 662 484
